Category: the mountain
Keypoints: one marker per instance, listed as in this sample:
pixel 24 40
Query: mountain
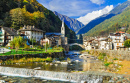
pixel 117 10
pixel 120 22
pixel 17 13
pixel 73 24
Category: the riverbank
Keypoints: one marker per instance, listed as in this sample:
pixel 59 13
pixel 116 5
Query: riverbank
pixel 113 61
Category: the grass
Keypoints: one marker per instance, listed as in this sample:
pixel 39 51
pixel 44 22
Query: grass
pixel 31 51
pixel 27 60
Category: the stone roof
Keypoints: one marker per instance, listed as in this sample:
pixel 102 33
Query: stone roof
pixel 10 31
pixel 30 28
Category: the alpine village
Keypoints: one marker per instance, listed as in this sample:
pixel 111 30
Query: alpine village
pixel 40 45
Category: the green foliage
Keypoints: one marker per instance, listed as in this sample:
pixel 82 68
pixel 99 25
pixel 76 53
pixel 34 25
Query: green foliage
pixel 68 59
pixel 61 58
pixel 107 64
pixel 49 59
pixel 127 43
pixel 115 59
pixel 26 47
pixel 17 42
pixel 40 47
pixel 112 25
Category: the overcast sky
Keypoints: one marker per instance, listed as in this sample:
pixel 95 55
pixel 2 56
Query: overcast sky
pixel 82 10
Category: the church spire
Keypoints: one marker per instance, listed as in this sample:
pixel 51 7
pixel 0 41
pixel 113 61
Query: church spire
pixel 62 29
pixel 62 23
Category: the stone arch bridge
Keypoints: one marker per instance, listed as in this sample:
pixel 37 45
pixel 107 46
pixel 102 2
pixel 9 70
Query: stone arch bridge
pixel 68 46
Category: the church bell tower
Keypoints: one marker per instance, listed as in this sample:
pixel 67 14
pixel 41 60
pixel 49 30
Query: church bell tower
pixel 62 30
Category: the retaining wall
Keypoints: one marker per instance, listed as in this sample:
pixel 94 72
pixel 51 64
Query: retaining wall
pixel 123 55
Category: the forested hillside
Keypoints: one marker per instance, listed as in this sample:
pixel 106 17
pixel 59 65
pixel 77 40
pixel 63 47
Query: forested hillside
pixel 17 13
pixel 113 24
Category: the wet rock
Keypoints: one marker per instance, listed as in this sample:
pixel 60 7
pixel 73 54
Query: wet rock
pixel 125 81
pixel 116 79
pixel 4 76
pixel 119 82
pixel 44 80
pixel 2 81
pixel 83 81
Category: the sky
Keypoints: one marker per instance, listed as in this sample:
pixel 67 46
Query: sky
pixel 82 10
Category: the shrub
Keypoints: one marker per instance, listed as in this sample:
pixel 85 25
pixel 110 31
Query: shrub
pixel 40 47
pixel 49 59
pixel 26 47
pixel 115 59
pixel 61 58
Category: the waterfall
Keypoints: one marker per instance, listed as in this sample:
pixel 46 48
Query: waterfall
pixel 73 77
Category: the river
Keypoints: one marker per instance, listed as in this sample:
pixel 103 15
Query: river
pixel 56 72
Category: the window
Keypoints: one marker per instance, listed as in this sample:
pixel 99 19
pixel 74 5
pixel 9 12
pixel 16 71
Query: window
pixel 122 44
pixel 117 43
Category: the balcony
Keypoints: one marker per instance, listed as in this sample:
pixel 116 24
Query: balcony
pixel 1 41
pixel 1 34
pixel 1 37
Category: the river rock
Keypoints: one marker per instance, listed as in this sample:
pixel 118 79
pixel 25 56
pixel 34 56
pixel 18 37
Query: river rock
pixel 83 81
pixel 4 76
pixel 44 80
pixel 2 81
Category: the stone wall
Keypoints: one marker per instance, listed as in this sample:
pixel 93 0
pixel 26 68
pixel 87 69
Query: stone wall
pixel 122 55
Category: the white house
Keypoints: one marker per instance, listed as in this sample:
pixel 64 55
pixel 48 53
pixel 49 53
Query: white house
pixel 7 35
pixel 105 44
pixel 31 33
pixel 118 39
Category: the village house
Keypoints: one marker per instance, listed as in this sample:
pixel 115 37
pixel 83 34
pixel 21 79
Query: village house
pixel 91 44
pixel 118 39
pixel 105 44
pixel 51 38
pixel 7 35
pixel 31 32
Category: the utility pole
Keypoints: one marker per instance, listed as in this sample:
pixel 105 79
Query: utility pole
pixel 32 42
pixel 45 43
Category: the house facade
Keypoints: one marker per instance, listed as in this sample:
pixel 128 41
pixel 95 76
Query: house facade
pixel 31 32
pixel 105 44
pixel 7 35
pixel 118 39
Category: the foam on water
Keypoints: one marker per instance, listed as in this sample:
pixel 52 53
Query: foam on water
pixel 50 75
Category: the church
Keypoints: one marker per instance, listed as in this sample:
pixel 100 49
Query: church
pixel 55 39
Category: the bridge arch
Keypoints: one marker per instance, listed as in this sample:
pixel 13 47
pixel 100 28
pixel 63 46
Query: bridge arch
pixel 82 46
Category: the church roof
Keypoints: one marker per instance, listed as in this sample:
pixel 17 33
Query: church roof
pixel 53 34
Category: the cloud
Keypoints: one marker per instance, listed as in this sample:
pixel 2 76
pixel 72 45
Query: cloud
pixel 70 7
pixel 99 2
pixel 90 16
